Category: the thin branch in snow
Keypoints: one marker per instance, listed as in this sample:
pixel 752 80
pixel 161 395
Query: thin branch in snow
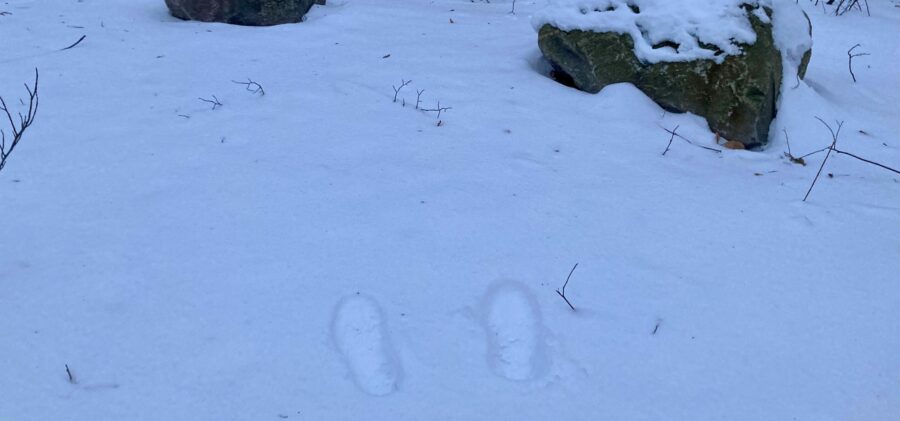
pixel 71 376
pixel 215 102
pixel 76 43
pixel 833 148
pixel 25 121
pixel 252 86
pixel 850 56
pixel 674 134
pixel 563 292
pixel 419 97
pixel 837 151
pixel 834 137
pixel 397 90
pixel 656 328
pixel 437 109
pixel 670 140
pixel 789 154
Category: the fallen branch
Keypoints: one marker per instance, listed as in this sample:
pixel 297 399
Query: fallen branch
pixel 563 293
pixel 25 121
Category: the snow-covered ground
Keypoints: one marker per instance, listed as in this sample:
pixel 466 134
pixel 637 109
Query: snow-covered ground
pixel 324 253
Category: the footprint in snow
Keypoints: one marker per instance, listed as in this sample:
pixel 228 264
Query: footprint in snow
pixel 512 320
pixel 360 334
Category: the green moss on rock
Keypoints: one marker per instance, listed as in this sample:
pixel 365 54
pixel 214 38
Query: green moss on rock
pixel 738 96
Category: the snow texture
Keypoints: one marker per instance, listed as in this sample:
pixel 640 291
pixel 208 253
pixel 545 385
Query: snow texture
pixel 696 26
pixel 191 264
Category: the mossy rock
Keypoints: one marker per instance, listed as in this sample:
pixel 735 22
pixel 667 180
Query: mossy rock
pixel 738 96
pixel 242 12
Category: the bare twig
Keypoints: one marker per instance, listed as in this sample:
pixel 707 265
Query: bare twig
pixel 833 148
pixel 670 140
pixel 252 86
pixel 834 137
pixel 76 43
pixel 850 57
pixel 438 109
pixel 563 292
pixel 837 151
pixel 25 121
pixel 419 97
pixel 672 132
pixel 789 154
pixel 397 90
pixel 215 102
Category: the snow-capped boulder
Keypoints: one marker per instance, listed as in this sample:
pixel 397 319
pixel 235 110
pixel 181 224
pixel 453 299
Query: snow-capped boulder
pixel 721 59
pixel 242 12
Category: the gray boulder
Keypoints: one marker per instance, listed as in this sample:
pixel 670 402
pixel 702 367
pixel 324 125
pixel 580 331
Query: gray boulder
pixel 738 96
pixel 242 12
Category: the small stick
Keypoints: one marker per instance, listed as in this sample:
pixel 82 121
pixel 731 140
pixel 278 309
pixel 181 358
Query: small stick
pixel 670 140
pixel 76 43
pixel 865 160
pixel 71 376
pixel 563 293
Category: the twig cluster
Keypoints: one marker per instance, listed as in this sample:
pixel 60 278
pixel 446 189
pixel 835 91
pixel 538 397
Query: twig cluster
pixel 844 6
pixel 25 121
pixel 439 109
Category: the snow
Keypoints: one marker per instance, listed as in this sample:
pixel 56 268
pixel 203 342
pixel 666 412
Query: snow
pixel 694 25
pixel 323 253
